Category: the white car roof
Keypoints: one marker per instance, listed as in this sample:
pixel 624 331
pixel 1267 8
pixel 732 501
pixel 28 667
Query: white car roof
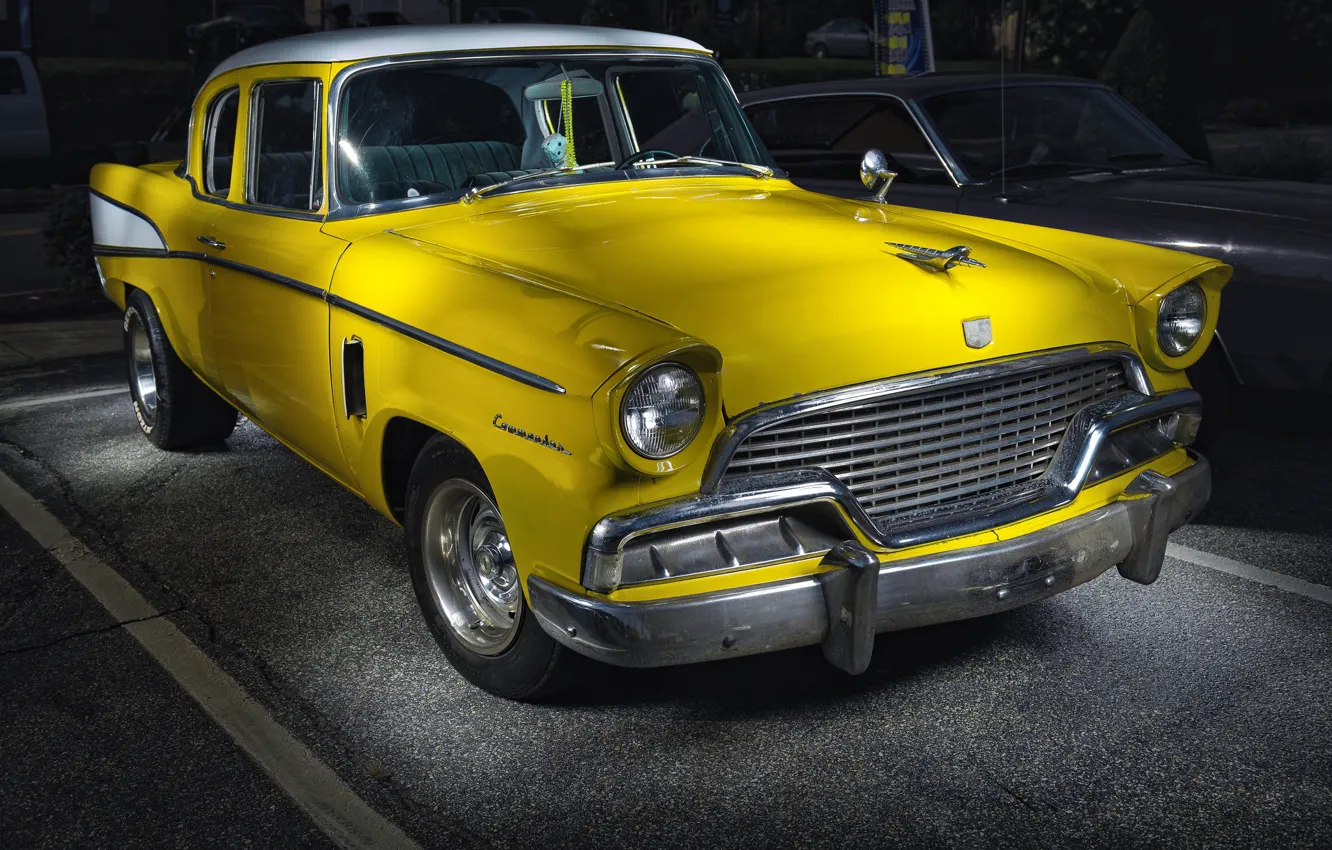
pixel 351 45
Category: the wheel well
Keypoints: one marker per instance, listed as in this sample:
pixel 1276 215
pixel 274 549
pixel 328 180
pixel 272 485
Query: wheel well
pixel 403 440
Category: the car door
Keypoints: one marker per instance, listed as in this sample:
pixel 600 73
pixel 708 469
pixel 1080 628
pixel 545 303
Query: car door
pixel 819 141
pixel 270 264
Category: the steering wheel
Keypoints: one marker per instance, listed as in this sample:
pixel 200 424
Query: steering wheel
pixel 642 155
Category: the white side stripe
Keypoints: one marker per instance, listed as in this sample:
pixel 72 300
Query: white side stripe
pixel 343 816
pixel 120 228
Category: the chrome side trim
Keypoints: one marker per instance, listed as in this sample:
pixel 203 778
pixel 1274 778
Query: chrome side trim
pixel 522 376
pixel 1088 433
pixel 766 415
pixel 474 357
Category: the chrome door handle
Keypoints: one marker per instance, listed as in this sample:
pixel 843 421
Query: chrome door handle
pixel 213 243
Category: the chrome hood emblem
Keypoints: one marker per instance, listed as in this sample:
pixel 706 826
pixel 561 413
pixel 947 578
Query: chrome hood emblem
pixel 936 261
pixel 977 332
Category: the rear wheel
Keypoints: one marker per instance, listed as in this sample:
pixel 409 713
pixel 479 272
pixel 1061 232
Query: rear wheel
pixel 820 51
pixel 467 582
pixel 173 407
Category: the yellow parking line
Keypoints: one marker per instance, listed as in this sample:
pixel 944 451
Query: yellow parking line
pixel 27 231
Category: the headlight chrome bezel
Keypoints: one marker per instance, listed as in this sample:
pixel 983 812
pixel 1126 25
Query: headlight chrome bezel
pixel 1181 319
pixel 629 430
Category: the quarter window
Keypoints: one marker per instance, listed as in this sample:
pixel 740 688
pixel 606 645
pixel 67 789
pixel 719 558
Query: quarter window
pixel 220 142
pixel 286 159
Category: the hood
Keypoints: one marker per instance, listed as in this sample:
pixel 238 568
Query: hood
pixel 1272 227
pixel 798 291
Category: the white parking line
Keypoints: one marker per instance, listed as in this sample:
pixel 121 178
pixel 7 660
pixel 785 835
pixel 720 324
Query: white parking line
pixel 54 399
pixel 1250 572
pixel 343 816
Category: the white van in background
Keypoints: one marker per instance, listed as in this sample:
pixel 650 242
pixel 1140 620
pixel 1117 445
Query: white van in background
pixel 23 131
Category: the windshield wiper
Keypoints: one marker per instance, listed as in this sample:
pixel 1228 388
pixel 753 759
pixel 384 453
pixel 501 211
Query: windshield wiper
pixel 477 191
pixel 760 171
pixel 1054 165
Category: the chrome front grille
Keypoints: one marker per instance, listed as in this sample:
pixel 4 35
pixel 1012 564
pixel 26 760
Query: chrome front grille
pixel 944 449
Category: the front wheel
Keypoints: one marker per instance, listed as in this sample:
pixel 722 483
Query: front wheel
pixel 467 582
pixel 820 51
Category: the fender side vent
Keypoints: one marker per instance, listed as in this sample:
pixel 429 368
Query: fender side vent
pixel 353 378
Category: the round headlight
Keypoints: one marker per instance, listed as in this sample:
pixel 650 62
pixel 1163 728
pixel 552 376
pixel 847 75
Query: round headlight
pixel 662 411
pixel 1181 318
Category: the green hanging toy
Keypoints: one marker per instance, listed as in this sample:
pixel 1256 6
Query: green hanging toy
pixel 566 118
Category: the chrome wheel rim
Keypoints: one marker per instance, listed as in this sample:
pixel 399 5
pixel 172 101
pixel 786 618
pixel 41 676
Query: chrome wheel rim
pixel 470 567
pixel 143 376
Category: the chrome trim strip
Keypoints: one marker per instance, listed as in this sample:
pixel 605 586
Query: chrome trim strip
pixel 748 494
pixel 120 251
pixel 949 164
pixel 747 423
pixel 257 209
pixel 474 357
pixel 911 592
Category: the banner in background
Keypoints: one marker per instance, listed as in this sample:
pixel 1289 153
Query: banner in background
pixel 903 45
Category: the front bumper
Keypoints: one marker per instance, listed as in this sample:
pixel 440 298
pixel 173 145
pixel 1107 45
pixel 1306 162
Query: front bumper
pixel 862 597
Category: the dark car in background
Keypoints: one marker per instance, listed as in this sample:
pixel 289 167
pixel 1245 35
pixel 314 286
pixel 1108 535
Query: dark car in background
pixel 1072 154
pixel 380 19
pixel 841 37
pixel 249 25
pixel 504 15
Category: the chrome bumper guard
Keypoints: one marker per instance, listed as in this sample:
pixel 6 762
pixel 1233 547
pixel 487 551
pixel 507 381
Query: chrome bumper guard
pixel 844 608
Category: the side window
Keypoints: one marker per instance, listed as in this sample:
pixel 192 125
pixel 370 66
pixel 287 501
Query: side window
pixel 286 162
pixel 11 77
pixel 826 138
pixel 220 142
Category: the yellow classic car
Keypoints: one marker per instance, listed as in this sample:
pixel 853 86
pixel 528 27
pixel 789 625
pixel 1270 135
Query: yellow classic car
pixel 539 295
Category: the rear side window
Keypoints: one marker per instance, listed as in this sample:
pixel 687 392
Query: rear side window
pixel 220 142
pixel 285 154
pixel 11 77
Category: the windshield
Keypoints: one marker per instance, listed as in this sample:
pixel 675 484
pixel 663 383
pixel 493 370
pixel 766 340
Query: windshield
pixel 442 128
pixel 1046 129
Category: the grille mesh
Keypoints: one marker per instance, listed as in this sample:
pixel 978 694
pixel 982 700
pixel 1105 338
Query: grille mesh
pixel 942 449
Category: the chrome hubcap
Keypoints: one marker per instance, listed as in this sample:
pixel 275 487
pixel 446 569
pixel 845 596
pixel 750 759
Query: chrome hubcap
pixel 470 567
pixel 141 368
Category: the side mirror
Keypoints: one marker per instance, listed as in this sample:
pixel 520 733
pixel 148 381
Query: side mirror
pixel 876 175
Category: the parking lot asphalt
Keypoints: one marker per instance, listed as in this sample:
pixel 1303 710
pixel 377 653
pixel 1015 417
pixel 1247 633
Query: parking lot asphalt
pixel 1193 712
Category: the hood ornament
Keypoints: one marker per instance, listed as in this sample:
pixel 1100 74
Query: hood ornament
pixel 937 261
pixel 977 332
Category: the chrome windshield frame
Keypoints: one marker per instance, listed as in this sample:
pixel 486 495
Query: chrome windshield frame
pixel 340 209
